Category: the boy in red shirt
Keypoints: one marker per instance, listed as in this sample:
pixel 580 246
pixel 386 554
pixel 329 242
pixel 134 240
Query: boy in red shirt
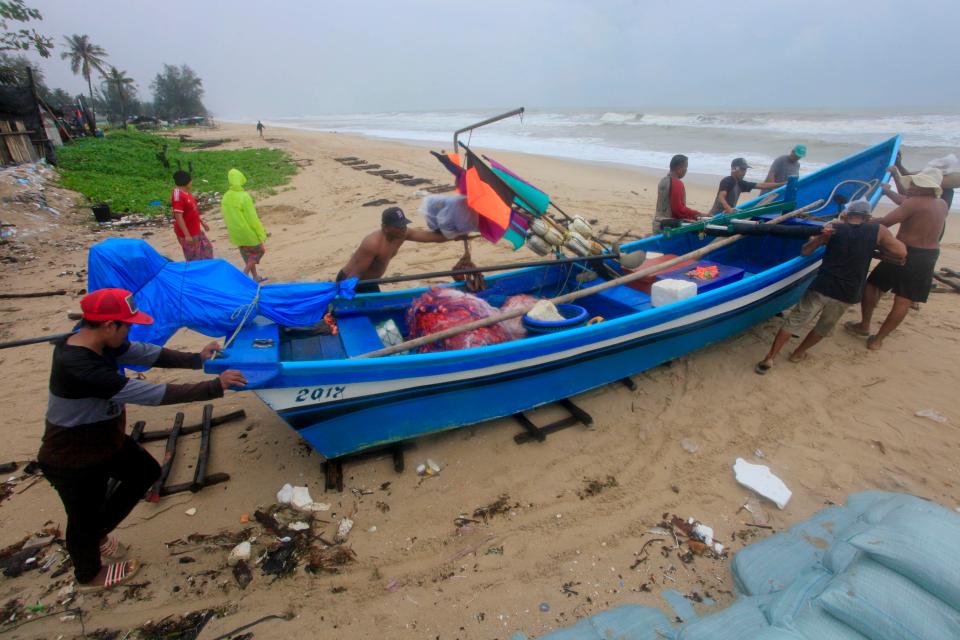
pixel 187 222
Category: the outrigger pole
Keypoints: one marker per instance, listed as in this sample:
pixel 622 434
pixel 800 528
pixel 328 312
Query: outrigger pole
pixel 503 116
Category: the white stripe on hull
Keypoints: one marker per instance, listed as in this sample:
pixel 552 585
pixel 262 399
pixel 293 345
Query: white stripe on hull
pixel 303 397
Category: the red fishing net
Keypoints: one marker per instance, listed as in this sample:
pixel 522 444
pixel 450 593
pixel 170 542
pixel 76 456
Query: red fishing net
pixel 515 325
pixel 441 308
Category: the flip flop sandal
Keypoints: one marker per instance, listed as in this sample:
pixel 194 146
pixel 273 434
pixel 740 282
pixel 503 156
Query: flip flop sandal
pixel 854 328
pixel 762 369
pixel 113 549
pixel 117 573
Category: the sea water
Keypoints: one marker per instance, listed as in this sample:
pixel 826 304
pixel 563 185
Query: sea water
pixel 650 138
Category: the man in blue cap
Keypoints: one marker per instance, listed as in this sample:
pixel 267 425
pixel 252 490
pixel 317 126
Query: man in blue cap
pixel 786 166
pixel 373 256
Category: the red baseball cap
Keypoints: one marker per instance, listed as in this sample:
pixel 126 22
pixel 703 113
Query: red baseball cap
pixel 105 305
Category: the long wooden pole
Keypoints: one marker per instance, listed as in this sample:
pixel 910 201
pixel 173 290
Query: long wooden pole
pixel 574 295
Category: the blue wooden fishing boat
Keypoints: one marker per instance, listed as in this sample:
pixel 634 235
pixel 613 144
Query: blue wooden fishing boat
pixel 341 404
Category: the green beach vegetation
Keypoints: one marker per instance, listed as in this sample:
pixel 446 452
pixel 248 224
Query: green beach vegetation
pixel 129 170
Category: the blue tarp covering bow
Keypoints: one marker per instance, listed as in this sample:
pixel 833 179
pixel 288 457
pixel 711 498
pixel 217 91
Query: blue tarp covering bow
pixel 208 296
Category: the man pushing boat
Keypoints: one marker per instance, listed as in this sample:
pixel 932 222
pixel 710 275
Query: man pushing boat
pixel 840 280
pixel 373 256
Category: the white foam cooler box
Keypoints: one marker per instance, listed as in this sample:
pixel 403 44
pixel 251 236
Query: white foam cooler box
pixel 666 291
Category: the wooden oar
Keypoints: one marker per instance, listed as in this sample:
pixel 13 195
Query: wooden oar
pixel 496 267
pixel 574 295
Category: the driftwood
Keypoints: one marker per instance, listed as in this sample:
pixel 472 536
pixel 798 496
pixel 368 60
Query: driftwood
pixel 33 294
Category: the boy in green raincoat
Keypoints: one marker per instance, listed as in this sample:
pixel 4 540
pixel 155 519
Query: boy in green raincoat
pixel 243 225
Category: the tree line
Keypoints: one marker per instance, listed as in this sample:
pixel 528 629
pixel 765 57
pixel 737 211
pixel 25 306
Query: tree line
pixel 177 90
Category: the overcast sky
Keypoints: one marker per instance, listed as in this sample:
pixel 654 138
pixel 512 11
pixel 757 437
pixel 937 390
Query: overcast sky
pixel 280 58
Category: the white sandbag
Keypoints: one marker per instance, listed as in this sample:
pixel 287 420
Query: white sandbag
pixel 921 547
pixel 545 311
pixel 884 605
pixel 449 215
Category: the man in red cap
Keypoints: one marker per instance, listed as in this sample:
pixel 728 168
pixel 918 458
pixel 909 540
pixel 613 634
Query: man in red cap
pixel 85 444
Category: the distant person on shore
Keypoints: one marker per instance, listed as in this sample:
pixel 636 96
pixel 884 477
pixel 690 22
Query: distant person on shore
pixel 84 442
pixel 375 252
pixel 260 128
pixel 786 166
pixel 921 217
pixel 728 194
pixel 243 224
pixel 672 195
pixel 840 280
pixel 187 222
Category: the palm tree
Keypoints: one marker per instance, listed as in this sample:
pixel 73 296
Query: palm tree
pixel 123 84
pixel 84 57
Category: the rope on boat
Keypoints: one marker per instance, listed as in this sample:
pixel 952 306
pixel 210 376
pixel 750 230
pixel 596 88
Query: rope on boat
pixel 246 310
pixel 575 295
pixel 866 186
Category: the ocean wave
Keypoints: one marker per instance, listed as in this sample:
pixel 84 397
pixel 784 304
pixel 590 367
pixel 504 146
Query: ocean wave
pixel 617 117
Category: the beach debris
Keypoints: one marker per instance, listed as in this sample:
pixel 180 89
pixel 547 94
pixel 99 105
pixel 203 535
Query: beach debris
pixel 244 518
pixel 192 511
pixel 372 529
pixel 300 525
pixel 343 529
pixel 593 487
pixel 329 559
pixel 428 469
pixel 500 506
pixel 759 478
pixel 281 560
pixel 378 202
pixel 544 607
pixel 689 445
pixel 760 517
pixel 183 627
pixel 936 416
pixel 299 498
pixel 241 573
pixel 392 586
pixel 240 552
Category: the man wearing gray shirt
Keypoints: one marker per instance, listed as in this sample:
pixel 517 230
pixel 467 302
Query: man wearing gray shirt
pixel 786 166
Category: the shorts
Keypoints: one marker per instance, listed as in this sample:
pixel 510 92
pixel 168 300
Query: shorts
pixel 200 250
pixel 813 302
pixel 910 280
pixel 363 288
pixel 252 254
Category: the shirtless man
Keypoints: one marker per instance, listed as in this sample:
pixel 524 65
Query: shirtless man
pixel 374 254
pixel 921 217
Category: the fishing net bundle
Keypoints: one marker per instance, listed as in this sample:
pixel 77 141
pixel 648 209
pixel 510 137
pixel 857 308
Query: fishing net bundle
pixel 442 308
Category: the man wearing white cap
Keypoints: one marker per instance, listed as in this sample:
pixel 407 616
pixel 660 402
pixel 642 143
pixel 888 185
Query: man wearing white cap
pixel 921 217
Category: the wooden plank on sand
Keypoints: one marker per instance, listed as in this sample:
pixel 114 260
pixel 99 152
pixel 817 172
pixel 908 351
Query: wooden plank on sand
pixel 28 146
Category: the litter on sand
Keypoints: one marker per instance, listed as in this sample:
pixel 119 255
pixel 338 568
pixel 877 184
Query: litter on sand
pixel 936 416
pixel 759 478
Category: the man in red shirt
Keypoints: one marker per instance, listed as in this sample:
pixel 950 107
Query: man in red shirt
pixel 187 222
pixel 672 196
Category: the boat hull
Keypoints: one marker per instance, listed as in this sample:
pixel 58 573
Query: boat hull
pixel 380 413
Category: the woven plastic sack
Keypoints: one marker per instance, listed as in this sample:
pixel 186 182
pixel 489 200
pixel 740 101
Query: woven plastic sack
pixel 583 630
pixel 884 605
pixel 743 620
pixel 813 623
pixel 773 564
pixel 449 215
pixel 787 604
pixel 515 325
pixel 632 622
pixel 440 308
pixel 921 546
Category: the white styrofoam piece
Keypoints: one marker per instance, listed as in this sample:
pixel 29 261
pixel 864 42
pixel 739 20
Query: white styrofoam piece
pixel 759 478
pixel 670 290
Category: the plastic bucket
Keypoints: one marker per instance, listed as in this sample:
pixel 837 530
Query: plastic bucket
pixel 101 212
pixel 574 316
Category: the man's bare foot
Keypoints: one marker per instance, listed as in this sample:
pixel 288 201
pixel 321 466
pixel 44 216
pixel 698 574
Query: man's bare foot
pixel 874 343
pixel 763 366
pixel 795 358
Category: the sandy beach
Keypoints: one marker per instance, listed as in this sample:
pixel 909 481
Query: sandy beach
pixel 842 421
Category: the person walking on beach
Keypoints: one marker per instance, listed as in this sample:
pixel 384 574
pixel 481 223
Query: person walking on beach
pixel 260 128
pixel 672 195
pixel 243 225
pixel 786 166
pixel 84 443
pixel 733 185
pixel 187 222
pixel 921 217
pixel 375 252
pixel 840 280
